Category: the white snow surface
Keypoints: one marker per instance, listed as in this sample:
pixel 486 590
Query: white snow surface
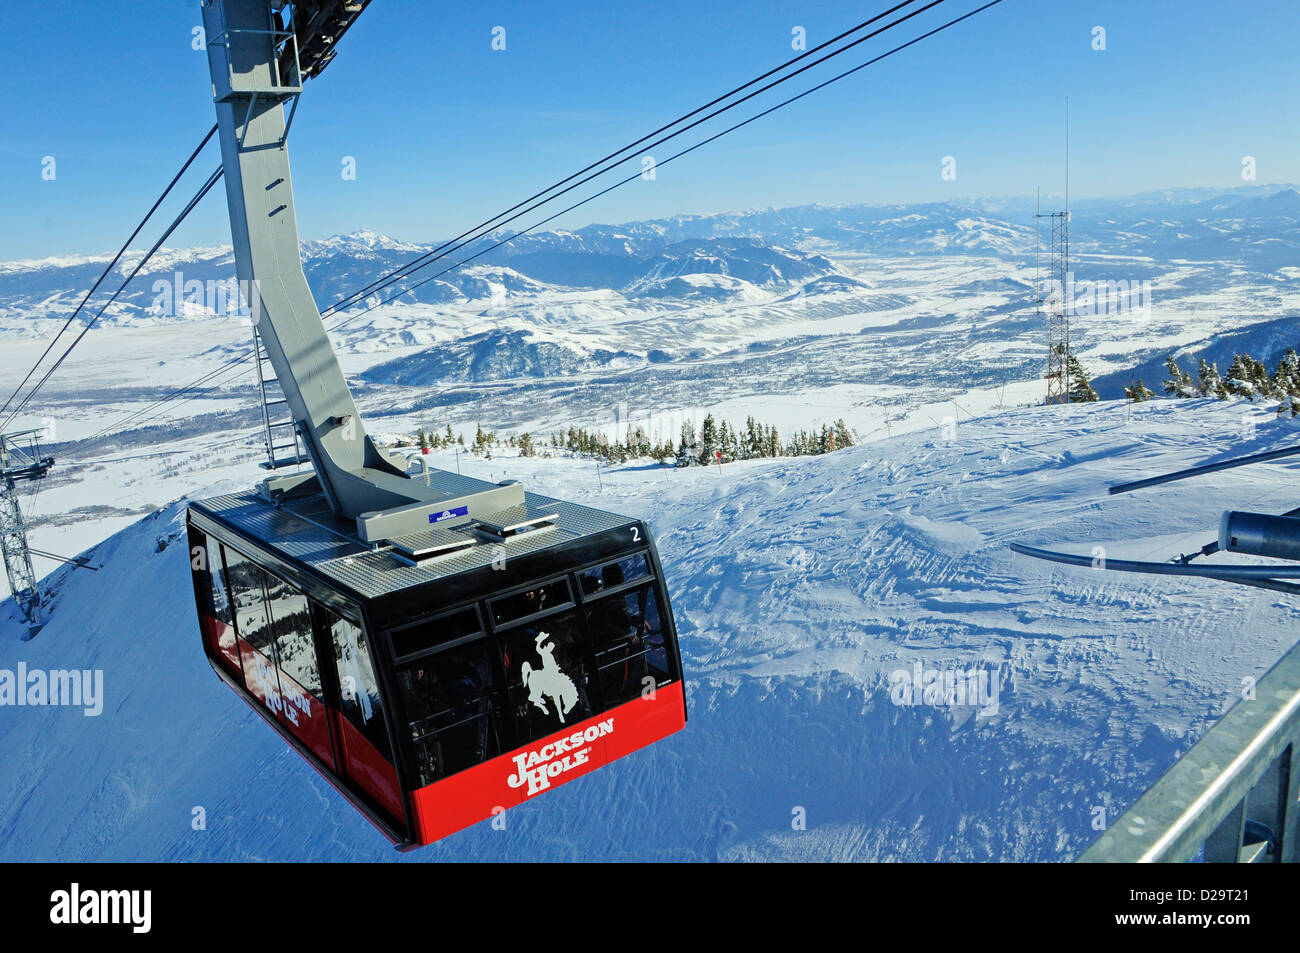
pixel 798 587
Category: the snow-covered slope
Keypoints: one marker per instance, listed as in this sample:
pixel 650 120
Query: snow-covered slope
pixel 800 588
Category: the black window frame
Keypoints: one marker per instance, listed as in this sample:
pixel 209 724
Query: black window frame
pixel 508 735
pixel 653 587
pixel 595 697
pixel 274 623
pixel 376 666
pixel 478 607
pixel 650 576
pixel 272 655
pixel 209 542
pixel 490 601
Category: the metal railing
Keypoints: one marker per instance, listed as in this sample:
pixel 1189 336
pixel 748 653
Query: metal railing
pixel 1235 794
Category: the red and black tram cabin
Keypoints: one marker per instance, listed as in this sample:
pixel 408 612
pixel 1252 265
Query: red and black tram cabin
pixel 442 677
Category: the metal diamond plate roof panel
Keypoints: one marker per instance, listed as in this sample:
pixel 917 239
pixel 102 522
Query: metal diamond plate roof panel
pixel 305 531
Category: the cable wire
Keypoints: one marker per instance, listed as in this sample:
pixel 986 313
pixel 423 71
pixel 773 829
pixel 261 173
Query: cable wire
pixel 478 232
pixel 234 363
pixel 632 145
pixel 109 267
pixel 678 155
pixel 203 190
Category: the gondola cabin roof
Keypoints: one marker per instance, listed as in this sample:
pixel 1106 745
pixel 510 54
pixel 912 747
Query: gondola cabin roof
pixel 305 532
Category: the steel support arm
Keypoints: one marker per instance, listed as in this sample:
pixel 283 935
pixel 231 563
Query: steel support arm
pixel 251 82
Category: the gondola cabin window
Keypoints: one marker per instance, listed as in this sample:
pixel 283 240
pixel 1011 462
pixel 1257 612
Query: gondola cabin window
pixel 216 617
pixel 454 706
pixel 367 750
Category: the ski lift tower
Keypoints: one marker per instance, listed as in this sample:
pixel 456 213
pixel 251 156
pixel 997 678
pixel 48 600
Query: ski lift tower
pixel 1054 307
pixel 20 460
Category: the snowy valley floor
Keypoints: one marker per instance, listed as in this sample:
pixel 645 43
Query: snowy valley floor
pixel 799 587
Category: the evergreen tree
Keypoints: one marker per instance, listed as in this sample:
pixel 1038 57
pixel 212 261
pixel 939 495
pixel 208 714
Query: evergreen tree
pixel 1081 391
pixel 843 438
pixel 708 440
pixel 687 446
pixel 1259 377
pixel 1138 392
pixel 423 439
pixel 1286 379
pixel 1208 382
pixel 1286 382
pixel 724 442
pixel 638 444
pixel 1179 382
pixel 751 447
pixel 526 446
pixel 1237 381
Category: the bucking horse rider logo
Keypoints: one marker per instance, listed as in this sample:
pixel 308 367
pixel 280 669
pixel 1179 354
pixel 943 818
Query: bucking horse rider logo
pixel 549 682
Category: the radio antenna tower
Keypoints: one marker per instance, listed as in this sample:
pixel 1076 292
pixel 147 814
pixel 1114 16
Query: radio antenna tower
pixel 20 460
pixel 1054 307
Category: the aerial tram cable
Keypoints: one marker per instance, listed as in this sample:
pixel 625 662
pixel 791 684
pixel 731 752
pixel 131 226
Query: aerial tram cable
pixel 479 231
pixel 347 301
pixel 232 365
pixel 198 196
pixel 227 368
pixel 109 267
pixel 493 223
pixel 677 155
pixel 80 562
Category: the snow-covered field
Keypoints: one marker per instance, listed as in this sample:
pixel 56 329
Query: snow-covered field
pixel 807 590
pixel 801 587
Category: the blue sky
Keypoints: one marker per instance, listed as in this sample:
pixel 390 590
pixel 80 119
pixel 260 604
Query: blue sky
pixel 445 131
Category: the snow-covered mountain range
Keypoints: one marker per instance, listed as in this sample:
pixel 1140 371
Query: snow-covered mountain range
pixel 708 257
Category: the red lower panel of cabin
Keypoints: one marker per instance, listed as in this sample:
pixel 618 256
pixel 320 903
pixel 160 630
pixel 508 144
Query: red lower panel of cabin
pixel 474 794
pixel 221 642
pixel 465 798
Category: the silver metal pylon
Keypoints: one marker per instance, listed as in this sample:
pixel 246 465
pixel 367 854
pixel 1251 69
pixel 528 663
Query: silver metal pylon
pixel 257 70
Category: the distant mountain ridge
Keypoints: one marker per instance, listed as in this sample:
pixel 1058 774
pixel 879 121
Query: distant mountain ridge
pixel 716 257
